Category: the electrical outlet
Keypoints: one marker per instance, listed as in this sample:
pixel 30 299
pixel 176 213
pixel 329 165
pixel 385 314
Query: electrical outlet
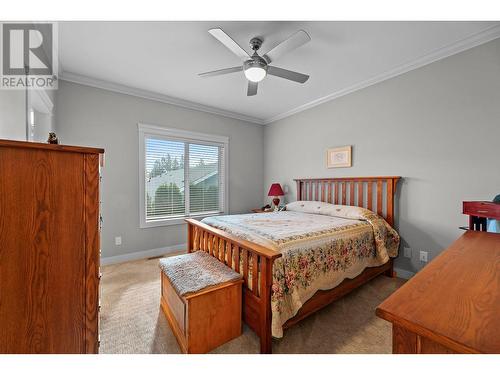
pixel 423 256
pixel 407 252
pixel 118 241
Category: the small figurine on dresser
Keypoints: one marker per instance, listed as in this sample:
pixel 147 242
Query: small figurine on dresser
pixel 53 139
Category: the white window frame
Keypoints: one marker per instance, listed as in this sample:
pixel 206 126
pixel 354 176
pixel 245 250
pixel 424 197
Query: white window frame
pixel 145 130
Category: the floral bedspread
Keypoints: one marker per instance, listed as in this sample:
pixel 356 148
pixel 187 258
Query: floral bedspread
pixel 318 251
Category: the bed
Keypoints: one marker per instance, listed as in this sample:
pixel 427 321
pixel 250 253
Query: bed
pixel 298 261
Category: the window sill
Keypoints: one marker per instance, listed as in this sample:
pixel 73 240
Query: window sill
pixel 176 220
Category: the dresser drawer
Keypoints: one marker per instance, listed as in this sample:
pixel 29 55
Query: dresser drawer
pixel 482 209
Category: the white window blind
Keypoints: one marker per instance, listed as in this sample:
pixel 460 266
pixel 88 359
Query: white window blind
pixel 205 166
pixel 184 175
pixel 165 188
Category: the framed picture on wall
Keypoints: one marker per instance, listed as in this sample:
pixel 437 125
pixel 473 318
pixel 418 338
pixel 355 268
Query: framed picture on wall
pixel 339 157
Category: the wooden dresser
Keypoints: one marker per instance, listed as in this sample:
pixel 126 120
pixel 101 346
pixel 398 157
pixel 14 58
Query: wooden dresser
pixel 49 248
pixel 453 304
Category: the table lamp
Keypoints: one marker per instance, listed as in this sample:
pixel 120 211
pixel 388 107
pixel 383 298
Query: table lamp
pixel 275 191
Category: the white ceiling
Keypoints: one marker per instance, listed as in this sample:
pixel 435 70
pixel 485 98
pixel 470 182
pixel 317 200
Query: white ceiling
pixel 161 59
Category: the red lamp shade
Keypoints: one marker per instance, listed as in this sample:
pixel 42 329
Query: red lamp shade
pixel 275 191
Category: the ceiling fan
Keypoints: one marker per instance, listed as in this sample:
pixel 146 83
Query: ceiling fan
pixel 257 67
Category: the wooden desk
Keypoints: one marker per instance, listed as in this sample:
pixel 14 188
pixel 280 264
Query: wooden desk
pixel 453 304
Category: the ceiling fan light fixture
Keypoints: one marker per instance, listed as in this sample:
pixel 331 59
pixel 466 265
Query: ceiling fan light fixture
pixel 255 74
pixel 255 69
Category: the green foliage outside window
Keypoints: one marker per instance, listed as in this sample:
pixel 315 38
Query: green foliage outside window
pixel 168 201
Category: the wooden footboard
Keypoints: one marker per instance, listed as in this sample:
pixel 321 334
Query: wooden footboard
pixel 253 261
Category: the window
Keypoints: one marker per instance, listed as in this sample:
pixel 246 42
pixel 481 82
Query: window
pixel 183 174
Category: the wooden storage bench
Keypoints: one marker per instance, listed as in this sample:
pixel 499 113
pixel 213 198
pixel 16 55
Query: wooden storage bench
pixel 202 301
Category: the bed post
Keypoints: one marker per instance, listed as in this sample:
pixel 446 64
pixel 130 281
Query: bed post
pixel 266 345
pixel 390 272
pixel 190 239
pixel 299 190
pixel 391 191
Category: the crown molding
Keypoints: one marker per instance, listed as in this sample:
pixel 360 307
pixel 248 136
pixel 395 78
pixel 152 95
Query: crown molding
pixel 127 90
pixel 461 45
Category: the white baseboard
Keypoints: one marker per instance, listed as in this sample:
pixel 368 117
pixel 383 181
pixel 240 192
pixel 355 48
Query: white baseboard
pixel 404 274
pixel 142 254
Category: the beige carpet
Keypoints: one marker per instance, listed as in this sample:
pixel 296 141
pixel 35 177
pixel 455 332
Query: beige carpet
pixel 132 321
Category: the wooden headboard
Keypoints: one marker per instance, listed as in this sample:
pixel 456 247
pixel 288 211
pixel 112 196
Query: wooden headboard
pixel 373 193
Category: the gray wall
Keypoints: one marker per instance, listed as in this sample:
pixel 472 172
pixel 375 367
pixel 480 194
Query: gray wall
pixel 13 114
pixel 43 125
pixel 94 117
pixel 437 126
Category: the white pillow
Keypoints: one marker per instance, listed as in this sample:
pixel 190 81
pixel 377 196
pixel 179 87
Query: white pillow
pixel 323 208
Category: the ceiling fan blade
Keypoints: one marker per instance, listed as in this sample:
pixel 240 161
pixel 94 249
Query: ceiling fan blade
pixel 287 74
pixel 295 41
pixel 221 71
pixel 225 39
pixel 252 88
